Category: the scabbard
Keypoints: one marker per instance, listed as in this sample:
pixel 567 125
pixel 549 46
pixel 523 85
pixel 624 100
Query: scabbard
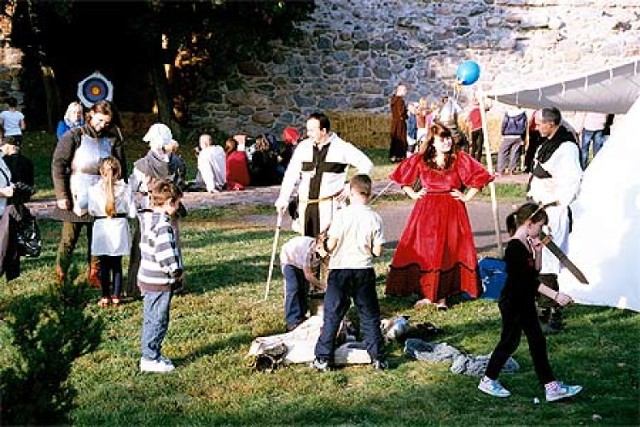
pixel 564 259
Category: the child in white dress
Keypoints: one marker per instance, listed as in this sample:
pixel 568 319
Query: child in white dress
pixel 111 203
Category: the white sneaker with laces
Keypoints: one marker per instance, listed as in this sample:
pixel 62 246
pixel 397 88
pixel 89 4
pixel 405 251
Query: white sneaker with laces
pixel 561 391
pixel 493 388
pixel 161 365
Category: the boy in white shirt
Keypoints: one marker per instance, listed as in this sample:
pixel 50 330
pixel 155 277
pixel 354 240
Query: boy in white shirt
pixel 355 236
pixel 300 259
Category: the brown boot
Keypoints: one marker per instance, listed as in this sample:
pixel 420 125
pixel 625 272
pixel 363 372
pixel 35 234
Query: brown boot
pixel 93 276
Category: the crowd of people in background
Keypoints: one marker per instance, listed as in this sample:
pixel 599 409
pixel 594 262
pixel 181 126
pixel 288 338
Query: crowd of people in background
pixel 519 136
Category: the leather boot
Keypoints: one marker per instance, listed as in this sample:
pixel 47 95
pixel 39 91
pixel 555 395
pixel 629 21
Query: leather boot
pixel 93 276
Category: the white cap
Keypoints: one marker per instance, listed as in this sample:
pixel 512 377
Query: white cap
pixel 158 136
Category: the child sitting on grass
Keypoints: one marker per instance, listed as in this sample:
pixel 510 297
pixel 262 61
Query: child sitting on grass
pixel 518 306
pixel 355 236
pixel 160 270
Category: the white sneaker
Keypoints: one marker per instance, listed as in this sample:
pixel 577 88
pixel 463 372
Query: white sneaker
pixel 561 391
pixel 493 388
pixel 162 364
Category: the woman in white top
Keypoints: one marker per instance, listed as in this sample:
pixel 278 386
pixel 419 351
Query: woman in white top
pixel 110 203
pixel 12 120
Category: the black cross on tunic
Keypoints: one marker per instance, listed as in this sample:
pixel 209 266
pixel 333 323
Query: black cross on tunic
pixel 318 166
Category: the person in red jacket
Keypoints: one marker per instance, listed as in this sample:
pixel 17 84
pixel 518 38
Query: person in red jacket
pixel 237 166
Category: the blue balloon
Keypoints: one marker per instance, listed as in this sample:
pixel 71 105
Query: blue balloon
pixel 468 73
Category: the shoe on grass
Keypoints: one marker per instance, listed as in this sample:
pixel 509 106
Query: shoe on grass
pixel 380 365
pixel 493 388
pixel 320 364
pixel 559 391
pixel 162 365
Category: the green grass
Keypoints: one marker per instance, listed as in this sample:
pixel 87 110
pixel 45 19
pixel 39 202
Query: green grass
pixel 213 324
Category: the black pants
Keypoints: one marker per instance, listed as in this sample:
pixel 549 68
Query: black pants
pixel 110 272
pixel 515 320
pixel 477 141
pixel 342 285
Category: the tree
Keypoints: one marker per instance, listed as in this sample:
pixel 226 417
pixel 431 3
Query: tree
pixel 70 37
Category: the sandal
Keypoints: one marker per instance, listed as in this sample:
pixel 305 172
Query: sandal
pixel 104 302
pixel 115 300
pixel 422 303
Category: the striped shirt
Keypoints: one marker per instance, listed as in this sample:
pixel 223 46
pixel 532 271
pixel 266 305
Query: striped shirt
pixel 160 258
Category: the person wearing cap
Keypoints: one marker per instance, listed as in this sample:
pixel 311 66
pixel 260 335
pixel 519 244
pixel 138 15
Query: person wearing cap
pixel 74 169
pixel 154 166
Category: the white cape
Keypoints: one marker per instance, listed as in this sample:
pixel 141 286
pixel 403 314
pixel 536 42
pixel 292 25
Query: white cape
pixel 605 242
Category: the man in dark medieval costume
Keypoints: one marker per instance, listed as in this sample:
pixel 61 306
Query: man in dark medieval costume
pixel 398 148
pixel 555 177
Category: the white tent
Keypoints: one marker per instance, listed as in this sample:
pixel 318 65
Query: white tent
pixel 605 242
pixel 611 90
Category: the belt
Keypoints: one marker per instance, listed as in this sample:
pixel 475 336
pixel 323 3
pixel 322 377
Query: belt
pixel 118 215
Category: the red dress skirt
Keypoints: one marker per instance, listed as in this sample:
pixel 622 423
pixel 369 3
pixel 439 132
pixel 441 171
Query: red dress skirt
pixel 436 255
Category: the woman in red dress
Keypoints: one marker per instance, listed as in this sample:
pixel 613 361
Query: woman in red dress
pixel 436 255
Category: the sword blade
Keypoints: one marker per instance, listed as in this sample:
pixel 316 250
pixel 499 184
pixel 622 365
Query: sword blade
pixel 564 259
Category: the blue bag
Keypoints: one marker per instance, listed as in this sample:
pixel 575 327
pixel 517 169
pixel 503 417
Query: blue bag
pixel 493 274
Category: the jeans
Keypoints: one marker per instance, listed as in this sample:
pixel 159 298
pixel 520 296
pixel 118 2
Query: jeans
pixel 296 291
pixel 155 322
pixel 510 148
pixel 589 136
pixel 342 286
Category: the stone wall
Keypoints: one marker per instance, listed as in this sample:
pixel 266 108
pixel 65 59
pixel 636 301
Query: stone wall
pixel 354 53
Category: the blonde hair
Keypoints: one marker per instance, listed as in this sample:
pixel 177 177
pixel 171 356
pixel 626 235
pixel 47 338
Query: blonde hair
pixel 71 112
pixel 110 170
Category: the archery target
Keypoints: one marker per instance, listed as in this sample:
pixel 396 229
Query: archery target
pixel 94 88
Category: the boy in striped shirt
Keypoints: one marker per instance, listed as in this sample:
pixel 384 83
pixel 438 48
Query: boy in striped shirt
pixel 160 271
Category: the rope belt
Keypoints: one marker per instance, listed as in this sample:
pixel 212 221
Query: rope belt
pixel 322 199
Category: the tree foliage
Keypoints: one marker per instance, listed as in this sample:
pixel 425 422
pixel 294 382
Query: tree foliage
pixel 195 39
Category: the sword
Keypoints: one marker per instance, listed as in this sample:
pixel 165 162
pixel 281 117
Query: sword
pixel 563 258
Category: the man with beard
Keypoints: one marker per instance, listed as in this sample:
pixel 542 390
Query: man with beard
pixel 556 178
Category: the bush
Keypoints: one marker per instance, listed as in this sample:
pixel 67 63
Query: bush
pixel 48 331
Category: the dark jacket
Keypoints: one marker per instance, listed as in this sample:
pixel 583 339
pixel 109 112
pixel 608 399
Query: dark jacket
pixel 515 125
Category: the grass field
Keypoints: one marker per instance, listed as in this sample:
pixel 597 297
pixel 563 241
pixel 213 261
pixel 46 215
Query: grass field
pixel 222 311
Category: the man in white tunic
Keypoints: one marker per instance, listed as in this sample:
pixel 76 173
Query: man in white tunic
pixel 556 177
pixel 212 164
pixel 320 163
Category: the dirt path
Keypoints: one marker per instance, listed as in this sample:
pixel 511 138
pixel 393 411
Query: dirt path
pixel 394 214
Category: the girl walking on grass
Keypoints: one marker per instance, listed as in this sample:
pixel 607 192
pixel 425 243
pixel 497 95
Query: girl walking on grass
pixel 110 203
pixel 518 307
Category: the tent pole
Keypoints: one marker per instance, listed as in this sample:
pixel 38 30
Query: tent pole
pixel 487 150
